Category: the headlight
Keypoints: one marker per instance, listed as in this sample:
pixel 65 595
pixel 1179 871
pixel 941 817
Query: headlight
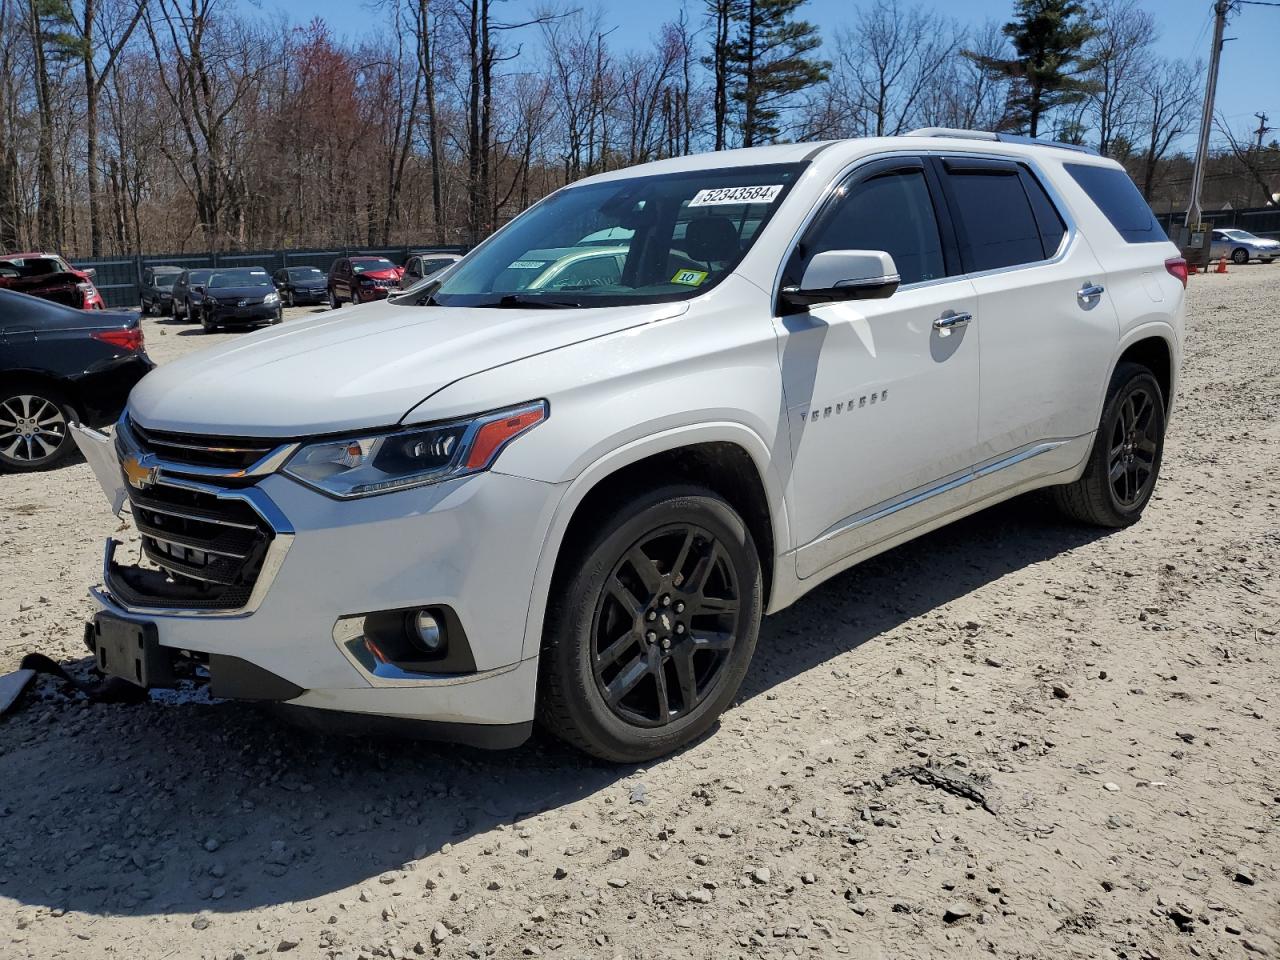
pixel 360 466
pixel 271 298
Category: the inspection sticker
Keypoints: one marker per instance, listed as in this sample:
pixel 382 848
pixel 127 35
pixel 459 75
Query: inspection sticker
pixel 690 278
pixel 724 195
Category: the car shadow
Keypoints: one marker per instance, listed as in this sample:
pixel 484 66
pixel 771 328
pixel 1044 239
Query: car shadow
pixel 176 807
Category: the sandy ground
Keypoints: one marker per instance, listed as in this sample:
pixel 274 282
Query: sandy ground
pixel 1103 710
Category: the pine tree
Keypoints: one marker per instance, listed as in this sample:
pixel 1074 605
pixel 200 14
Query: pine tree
pixel 1048 37
pixel 768 61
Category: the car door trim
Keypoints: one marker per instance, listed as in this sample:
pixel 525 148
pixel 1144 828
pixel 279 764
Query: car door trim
pixel 894 505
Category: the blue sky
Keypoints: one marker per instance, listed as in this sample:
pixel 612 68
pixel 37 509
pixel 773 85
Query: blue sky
pixel 1249 81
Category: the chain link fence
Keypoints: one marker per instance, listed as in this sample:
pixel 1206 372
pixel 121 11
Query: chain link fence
pixel 118 278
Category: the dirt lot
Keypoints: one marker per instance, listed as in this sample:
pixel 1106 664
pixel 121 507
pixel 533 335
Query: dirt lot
pixel 1101 713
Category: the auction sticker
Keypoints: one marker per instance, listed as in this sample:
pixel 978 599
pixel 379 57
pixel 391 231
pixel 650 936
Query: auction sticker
pixel 725 195
pixel 690 278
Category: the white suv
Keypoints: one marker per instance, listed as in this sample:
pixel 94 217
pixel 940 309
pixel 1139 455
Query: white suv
pixel 490 499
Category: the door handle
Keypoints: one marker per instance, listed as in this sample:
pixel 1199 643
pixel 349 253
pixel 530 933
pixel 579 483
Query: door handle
pixel 951 321
pixel 1090 294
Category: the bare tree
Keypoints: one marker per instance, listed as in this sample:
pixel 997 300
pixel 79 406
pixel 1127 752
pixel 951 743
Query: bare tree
pixel 1258 163
pixel 1171 89
pixel 1119 53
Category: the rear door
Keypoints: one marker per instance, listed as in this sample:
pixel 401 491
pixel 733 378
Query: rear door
pixel 1049 329
pixel 882 403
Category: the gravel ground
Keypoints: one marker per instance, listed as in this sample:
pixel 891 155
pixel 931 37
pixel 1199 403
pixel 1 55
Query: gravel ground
pixel 1098 713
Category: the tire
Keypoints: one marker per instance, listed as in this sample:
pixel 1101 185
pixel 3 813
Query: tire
pixel 176 314
pixel 208 325
pixel 355 297
pixel 1124 464
pixel 288 298
pixel 24 406
pixel 333 299
pixel 1240 256
pixel 699 641
pixel 279 317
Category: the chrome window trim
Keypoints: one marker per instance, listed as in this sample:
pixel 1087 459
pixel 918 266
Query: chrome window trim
pixel 852 166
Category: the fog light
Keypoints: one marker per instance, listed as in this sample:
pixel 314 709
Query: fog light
pixel 425 631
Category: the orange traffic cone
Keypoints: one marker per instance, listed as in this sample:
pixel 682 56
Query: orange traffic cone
pixel 1222 264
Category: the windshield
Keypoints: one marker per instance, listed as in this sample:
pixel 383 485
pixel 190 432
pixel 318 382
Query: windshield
pixel 164 279
pixel 1239 234
pixel 627 241
pixel 372 263
pixel 305 273
pixel 198 276
pixel 240 278
pixel 37 266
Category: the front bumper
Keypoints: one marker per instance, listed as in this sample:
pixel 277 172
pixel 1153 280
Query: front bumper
pixel 470 545
pixel 258 313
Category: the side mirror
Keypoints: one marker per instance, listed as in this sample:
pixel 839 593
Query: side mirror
pixel 844 275
pixel 198 288
pixel 90 272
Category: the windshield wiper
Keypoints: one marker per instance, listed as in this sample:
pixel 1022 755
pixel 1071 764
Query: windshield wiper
pixel 515 300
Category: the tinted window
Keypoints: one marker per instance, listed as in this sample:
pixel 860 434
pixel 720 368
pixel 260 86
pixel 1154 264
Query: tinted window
pixel 1119 201
pixel 892 212
pixel 1048 221
pixel 997 226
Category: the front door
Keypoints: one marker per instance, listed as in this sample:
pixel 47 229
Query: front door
pixel 882 402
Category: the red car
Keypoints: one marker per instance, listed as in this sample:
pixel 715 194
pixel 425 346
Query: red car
pixel 360 279
pixel 49 277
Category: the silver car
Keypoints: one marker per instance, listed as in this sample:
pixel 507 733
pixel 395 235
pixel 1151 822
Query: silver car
pixel 1240 246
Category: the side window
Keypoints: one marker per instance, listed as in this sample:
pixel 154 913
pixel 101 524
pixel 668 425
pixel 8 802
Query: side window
pixel 1048 220
pixel 1119 200
pixel 995 220
pixel 890 211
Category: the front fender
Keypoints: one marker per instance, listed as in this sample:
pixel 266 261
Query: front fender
pixel 627 453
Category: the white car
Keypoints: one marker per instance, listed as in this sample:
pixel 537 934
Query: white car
pixel 485 502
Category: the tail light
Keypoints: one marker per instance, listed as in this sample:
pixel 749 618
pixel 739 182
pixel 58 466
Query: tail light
pixel 129 339
pixel 1177 267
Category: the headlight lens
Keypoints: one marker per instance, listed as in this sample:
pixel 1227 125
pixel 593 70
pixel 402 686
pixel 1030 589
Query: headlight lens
pixel 271 298
pixel 361 466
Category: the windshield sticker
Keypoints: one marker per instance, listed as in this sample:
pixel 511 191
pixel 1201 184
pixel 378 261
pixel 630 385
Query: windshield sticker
pixel 528 264
pixel 725 195
pixel 690 278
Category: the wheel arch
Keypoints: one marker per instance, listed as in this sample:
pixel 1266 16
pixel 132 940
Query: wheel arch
pixel 68 388
pixel 1153 346
pixel 730 459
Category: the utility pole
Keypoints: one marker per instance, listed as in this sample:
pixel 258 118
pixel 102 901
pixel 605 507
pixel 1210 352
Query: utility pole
pixel 1262 130
pixel 1220 10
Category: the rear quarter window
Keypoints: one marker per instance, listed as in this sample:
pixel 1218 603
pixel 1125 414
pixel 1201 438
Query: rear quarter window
pixel 1114 194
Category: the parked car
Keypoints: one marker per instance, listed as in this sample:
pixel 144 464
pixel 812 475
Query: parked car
pixel 49 277
pixel 299 286
pixel 1240 246
pixel 156 289
pixel 241 297
pixel 60 364
pixel 360 279
pixel 421 265
pixel 188 294
pixel 485 502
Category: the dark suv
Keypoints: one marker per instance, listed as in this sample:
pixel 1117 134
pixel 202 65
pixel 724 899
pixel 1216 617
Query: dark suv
pixel 156 289
pixel 301 285
pixel 359 279
pixel 188 294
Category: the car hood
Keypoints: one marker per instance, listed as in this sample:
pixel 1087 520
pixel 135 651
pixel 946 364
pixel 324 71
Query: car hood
pixel 388 274
pixel 359 367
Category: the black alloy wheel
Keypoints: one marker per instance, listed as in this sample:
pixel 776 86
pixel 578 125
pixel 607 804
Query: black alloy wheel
pixel 651 625
pixel 1124 464
pixel 1131 459
pixel 665 625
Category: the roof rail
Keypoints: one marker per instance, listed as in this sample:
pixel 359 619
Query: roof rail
pixel 998 137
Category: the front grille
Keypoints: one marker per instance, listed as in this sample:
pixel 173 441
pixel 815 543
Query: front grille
pixel 231 452
pixel 206 552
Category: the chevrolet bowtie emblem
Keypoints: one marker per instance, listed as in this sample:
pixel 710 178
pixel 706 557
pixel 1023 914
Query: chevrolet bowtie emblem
pixel 139 476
